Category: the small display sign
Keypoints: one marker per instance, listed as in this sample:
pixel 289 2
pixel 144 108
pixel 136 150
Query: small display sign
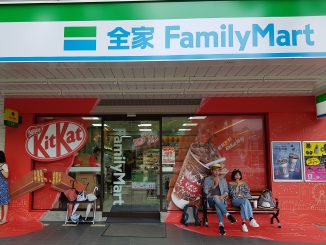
pixel 11 118
pixel 314 153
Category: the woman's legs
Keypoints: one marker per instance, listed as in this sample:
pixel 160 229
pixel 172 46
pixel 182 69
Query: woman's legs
pixel 245 208
pixel 248 209
pixel 5 212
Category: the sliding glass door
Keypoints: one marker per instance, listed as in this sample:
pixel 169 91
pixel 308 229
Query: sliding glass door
pixel 131 167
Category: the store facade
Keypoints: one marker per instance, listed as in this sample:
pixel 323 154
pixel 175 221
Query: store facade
pixel 139 161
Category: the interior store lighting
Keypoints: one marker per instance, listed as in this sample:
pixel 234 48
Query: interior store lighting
pixel 90 118
pixel 198 117
pixel 184 129
pixel 145 129
pixel 190 124
pixel 145 125
pixel 99 125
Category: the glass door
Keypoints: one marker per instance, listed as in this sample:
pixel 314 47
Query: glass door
pixel 131 167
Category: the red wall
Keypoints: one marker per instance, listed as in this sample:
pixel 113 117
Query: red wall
pixel 287 119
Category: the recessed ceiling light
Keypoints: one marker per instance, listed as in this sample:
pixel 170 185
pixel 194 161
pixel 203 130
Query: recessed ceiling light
pixel 145 125
pixel 198 117
pixel 189 124
pixel 145 129
pixel 99 125
pixel 90 118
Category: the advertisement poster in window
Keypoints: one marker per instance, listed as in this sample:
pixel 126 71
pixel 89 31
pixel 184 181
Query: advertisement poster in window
pixel 314 154
pixel 168 155
pixel 233 142
pixel 287 161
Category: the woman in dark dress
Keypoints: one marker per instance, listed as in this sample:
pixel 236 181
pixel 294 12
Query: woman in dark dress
pixel 4 190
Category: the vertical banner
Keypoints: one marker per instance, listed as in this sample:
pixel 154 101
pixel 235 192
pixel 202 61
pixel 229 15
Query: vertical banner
pixel 168 155
pixel 287 161
pixel 314 153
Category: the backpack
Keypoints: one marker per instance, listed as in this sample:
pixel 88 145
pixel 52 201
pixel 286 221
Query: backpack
pixel 266 200
pixel 190 215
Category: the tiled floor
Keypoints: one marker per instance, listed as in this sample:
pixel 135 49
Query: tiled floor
pixel 56 234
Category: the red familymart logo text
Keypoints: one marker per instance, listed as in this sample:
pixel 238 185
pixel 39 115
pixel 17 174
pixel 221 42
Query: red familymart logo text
pixel 55 140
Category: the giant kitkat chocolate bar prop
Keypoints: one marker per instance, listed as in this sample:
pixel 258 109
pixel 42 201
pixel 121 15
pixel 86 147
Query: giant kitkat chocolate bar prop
pixel 32 181
pixel 61 181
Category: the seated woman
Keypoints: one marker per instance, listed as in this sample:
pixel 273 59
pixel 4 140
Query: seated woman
pixel 240 193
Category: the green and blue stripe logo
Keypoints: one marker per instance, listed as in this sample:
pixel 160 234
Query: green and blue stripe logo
pixel 321 105
pixel 81 38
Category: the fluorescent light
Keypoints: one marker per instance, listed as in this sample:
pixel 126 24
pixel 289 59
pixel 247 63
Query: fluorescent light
pixel 90 118
pixel 99 125
pixel 184 129
pixel 190 124
pixel 125 136
pixel 198 117
pixel 145 125
pixel 145 129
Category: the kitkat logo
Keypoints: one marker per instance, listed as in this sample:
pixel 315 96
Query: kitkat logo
pixel 55 140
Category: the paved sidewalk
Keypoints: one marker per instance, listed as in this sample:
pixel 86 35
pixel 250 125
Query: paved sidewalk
pixel 56 234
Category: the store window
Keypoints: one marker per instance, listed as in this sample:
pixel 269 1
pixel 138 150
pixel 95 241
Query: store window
pixel 83 166
pixel 191 144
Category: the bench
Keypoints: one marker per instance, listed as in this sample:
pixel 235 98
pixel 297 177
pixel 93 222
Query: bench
pixel 88 220
pixel 255 194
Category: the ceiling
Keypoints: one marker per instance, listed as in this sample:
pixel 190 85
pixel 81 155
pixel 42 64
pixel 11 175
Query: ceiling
pixel 163 87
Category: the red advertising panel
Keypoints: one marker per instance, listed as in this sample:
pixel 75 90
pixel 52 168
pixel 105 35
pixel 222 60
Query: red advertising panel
pixel 237 142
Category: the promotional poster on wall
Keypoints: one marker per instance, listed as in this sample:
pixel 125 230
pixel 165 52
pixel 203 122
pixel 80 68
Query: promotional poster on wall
pixel 314 153
pixel 235 142
pixel 287 161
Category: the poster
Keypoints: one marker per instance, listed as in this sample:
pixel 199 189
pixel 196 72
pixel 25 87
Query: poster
pixel 236 142
pixel 168 155
pixel 314 153
pixel 287 161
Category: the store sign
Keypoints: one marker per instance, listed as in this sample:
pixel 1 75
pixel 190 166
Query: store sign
pixel 169 39
pixel 11 118
pixel 321 106
pixel 119 162
pixel 55 140
pixel 168 155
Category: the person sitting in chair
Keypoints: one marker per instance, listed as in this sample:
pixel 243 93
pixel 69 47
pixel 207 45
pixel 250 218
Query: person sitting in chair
pixel 240 193
pixel 216 189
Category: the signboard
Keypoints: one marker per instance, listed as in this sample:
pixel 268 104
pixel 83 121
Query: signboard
pixel 314 153
pixel 55 140
pixel 143 185
pixel 321 106
pixel 164 39
pixel 168 155
pixel 287 161
pixel 11 118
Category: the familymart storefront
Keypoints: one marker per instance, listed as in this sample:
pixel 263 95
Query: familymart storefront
pixel 140 162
